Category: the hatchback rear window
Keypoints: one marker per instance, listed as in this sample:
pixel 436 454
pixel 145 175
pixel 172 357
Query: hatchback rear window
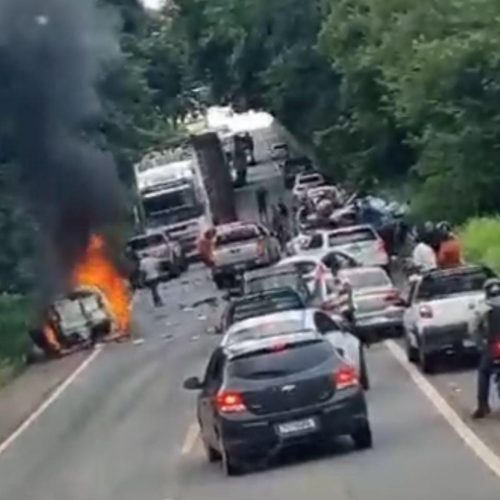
pixel 237 235
pixel 345 238
pixel 267 304
pixel 265 330
pixel 293 359
pixel 442 286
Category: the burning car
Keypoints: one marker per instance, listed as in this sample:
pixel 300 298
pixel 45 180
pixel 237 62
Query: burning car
pixel 76 320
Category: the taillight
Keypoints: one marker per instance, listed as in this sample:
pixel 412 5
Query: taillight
pixel 381 246
pixel 392 296
pixel 345 377
pixel 425 311
pixel 495 349
pixel 229 402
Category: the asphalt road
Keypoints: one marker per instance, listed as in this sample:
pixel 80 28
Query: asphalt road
pixel 124 429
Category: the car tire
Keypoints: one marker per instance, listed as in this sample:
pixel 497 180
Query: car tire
pixel 363 371
pixel 427 362
pixel 219 282
pixel 362 437
pixel 230 466
pixel 411 352
pixel 212 454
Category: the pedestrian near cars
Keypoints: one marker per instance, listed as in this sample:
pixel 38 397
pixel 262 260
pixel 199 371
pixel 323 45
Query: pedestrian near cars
pixel 261 196
pixel 206 247
pixel 449 253
pixel 487 329
pixel 150 271
pixel 423 256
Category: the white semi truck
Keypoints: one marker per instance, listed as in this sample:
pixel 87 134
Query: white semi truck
pixel 172 196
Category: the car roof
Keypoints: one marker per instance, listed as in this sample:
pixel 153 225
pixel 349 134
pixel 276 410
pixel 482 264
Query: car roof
pixel 350 229
pixel 306 316
pixel 361 270
pixel 288 262
pixel 229 226
pixel 276 270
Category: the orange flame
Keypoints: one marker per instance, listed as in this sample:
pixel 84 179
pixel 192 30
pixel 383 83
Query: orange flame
pixel 95 270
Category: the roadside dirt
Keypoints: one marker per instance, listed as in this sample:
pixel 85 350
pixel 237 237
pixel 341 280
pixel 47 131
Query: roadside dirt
pixel 26 393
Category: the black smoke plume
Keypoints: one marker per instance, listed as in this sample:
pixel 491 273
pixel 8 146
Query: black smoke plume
pixel 52 55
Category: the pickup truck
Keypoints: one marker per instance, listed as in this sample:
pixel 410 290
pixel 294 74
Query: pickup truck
pixel 171 258
pixel 438 313
pixel 242 246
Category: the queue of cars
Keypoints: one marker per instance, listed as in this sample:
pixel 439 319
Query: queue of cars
pixel 291 367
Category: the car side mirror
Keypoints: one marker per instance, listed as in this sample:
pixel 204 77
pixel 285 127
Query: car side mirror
pixel 193 384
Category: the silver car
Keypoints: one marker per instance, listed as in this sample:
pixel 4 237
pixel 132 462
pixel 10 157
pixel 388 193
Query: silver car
pixel 333 328
pixel 378 306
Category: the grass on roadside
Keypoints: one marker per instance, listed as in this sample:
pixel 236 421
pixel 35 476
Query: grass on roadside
pixel 481 241
pixel 15 315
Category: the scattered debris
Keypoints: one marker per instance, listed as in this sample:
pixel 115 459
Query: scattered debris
pixel 195 337
pixel 202 317
pixel 167 336
pixel 138 341
pixel 211 329
pixel 186 308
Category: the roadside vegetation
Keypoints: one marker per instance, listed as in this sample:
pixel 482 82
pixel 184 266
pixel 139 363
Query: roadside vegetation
pixel 384 92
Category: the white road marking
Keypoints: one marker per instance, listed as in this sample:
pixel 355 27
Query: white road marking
pixel 468 436
pixel 58 392
pixel 192 435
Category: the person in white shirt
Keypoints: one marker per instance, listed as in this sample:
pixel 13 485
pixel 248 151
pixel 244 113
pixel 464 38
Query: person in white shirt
pixel 424 257
pixel 150 270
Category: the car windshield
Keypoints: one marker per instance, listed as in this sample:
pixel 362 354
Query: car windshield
pixel 310 179
pixel 270 329
pixel 237 235
pixel 348 237
pixel 266 304
pixel 146 242
pixel 294 358
pixel 441 286
pixel 368 279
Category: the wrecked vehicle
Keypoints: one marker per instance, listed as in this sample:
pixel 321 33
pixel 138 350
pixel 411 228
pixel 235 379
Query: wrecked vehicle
pixel 77 320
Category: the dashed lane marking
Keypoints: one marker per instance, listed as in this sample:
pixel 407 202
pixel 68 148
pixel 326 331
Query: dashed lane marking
pixel 58 392
pixel 468 436
pixel 192 435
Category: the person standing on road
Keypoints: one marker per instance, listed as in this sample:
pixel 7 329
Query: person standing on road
pixel 450 253
pixel 206 247
pixel 150 270
pixel 261 196
pixel 487 329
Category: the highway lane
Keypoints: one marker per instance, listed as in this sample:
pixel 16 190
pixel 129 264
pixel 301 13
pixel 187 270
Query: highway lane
pixel 126 429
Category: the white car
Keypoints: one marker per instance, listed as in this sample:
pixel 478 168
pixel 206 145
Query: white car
pixel 361 242
pixel 440 307
pixel 306 181
pixel 309 265
pixel 333 328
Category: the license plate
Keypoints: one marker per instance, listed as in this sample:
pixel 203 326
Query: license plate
pixel 468 343
pixel 297 427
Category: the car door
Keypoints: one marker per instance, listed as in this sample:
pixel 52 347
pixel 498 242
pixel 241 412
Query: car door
pixel 346 344
pixel 211 385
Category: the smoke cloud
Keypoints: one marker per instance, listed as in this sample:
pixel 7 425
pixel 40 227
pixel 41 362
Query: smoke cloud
pixel 52 54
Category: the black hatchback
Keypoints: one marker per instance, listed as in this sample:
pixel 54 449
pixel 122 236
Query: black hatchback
pixel 262 395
